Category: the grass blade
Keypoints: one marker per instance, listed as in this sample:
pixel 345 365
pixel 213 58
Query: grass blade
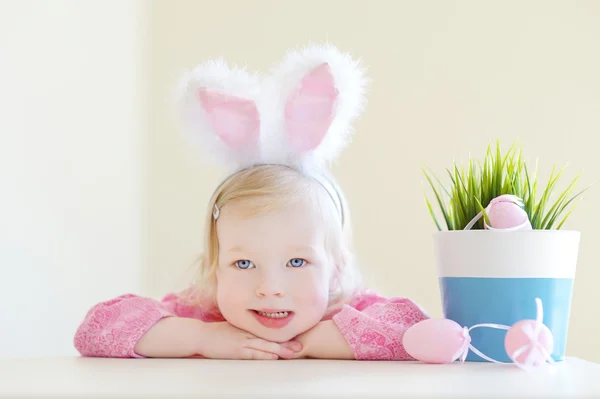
pixel 432 214
pixel 440 202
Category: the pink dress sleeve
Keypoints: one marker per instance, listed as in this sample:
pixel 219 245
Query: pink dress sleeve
pixel 112 328
pixel 374 326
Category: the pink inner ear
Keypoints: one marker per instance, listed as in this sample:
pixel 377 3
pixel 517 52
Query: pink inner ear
pixel 235 120
pixel 309 109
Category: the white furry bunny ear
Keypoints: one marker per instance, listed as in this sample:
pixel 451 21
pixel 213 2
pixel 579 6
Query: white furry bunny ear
pixel 218 110
pixel 319 92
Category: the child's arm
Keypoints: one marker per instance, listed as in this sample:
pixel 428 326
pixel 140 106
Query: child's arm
pixel 172 337
pixel 113 328
pixel 184 337
pixel 371 327
pixel 133 326
pixel 324 341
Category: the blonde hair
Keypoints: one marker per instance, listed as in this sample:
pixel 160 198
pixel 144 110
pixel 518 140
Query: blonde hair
pixel 265 188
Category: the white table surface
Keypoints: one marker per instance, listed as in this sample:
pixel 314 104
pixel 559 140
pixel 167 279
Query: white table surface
pixel 71 377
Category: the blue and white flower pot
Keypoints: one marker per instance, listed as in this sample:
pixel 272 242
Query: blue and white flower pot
pixel 494 277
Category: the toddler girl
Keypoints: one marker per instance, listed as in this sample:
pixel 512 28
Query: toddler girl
pixel 277 277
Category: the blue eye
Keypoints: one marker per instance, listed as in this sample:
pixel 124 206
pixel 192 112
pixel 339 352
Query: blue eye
pixel 297 262
pixel 243 264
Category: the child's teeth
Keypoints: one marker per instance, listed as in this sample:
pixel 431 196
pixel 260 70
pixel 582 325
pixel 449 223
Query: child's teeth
pixel 274 315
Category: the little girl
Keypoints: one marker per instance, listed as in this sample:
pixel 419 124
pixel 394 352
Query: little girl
pixel 277 278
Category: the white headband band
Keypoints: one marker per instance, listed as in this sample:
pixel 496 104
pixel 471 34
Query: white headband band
pixel 323 181
pixel 333 193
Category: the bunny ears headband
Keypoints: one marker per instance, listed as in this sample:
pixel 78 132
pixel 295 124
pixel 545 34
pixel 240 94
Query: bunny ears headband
pixel 300 115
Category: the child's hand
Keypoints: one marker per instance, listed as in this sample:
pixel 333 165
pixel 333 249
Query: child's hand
pixel 224 341
pixel 324 341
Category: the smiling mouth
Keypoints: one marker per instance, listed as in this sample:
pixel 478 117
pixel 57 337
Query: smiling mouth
pixel 274 315
pixel 273 318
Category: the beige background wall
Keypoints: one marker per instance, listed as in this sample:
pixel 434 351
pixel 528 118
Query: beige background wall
pixel 448 77
pixel 112 201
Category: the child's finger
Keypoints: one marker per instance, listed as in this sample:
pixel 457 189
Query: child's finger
pixel 254 354
pixel 272 347
pixel 293 345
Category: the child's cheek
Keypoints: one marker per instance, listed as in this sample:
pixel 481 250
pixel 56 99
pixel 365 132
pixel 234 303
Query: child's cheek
pixel 314 292
pixel 231 292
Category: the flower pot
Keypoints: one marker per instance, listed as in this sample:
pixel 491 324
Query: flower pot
pixel 495 276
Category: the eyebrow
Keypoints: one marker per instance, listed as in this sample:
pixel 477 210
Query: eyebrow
pixel 304 248
pixel 239 249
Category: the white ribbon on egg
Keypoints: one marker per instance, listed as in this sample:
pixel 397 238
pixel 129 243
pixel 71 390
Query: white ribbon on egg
pixel 510 198
pixel 537 351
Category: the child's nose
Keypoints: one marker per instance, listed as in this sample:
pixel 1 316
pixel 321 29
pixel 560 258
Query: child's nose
pixel 269 285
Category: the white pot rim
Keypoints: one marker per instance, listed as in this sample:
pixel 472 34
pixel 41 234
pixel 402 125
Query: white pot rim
pixel 527 232
pixel 520 253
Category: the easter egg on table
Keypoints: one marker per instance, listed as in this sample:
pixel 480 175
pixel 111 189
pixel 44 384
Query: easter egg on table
pixel 434 340
pixel 517 338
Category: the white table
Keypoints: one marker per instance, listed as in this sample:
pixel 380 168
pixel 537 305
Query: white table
pixel 75 377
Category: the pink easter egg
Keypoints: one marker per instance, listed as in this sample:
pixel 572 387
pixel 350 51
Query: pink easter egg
pixel 516 338
pixel 503 215
pixel 434 340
